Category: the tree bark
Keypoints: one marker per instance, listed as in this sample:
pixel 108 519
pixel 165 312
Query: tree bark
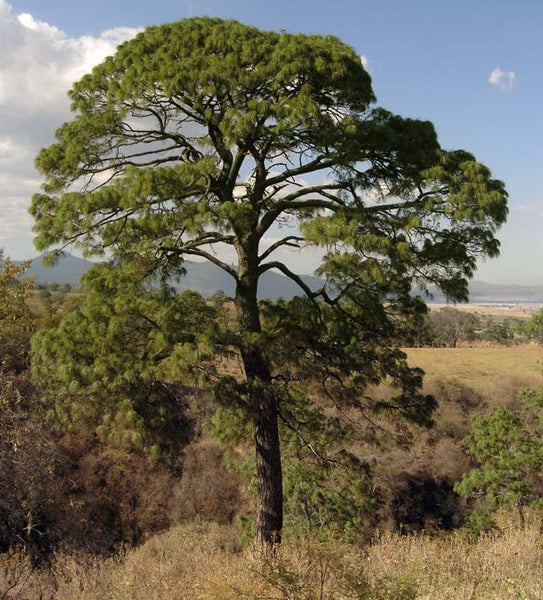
pixel 269 517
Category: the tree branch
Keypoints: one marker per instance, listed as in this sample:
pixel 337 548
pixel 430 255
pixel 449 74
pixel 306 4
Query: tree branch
pixel 296 278
pixel 287 241
pixel 319 189
pixel 315 165
pixel 211 258
pixel 281 206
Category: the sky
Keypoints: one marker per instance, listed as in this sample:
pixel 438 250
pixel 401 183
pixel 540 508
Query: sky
pixel 473 68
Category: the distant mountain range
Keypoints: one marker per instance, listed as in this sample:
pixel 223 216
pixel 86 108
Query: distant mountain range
pixel 481 292
pixel 203 277
pixel 208 279
pixel 69 269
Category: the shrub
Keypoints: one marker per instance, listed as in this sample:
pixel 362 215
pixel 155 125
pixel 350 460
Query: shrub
pixel 507 447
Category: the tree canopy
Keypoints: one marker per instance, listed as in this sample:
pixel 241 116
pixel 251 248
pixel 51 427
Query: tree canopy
pixel 204 135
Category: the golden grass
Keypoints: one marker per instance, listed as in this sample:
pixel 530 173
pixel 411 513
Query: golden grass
pixel 495 372
pixel 199 561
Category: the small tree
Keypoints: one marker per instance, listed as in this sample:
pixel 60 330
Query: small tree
pixel 112 363
pixel 503 333
pixel 450 326
pixel 207 134
pixel 533 329
pixel 507 447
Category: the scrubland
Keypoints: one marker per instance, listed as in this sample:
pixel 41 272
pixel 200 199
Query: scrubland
pixel 413 550
pixel 199 561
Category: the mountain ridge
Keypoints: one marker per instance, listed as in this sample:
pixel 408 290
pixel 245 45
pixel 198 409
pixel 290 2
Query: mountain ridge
pixel 208 279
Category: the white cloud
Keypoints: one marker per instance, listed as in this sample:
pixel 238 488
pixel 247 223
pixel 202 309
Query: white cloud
pixel 504 80
pixel 38 65
pixel 532 208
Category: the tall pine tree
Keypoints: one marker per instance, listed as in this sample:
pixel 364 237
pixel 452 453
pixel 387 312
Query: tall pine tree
pixel 204 135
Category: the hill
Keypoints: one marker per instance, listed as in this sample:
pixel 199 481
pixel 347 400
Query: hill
pixel 202 277
pixel 69 269
pixel 208 279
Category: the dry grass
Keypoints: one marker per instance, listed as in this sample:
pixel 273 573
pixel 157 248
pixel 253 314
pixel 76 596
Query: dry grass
pixel 201 562
pixel 497 372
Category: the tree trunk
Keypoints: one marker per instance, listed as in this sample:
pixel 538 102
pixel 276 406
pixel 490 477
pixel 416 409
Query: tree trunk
pixel 269 517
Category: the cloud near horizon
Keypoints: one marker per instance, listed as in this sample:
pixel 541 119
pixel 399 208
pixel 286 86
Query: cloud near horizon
pixel 504 80
pixel 532 208
pixel 38 65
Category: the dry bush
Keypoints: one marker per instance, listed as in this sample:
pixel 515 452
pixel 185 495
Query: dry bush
pixel 206 489
pixel 505 566
pixel 29 461
pixel 115 497
pixel 199 561
pixel 418 501
pixel 414 476
pixel 69 491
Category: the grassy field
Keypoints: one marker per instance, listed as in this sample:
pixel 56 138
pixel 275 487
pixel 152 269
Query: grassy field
pixel 495 372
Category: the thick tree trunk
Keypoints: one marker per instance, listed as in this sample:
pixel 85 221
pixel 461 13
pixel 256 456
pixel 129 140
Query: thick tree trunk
pixel 269 518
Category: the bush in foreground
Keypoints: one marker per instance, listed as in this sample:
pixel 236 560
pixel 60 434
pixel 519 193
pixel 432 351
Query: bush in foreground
pixel 199 561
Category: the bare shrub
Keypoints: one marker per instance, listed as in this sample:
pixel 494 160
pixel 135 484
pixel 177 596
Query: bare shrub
pixel 200 561
pixel 206 489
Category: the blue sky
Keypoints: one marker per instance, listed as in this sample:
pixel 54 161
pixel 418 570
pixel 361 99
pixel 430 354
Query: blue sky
pixel 428 59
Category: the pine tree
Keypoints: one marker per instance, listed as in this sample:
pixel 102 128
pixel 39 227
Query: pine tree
pixel 207 134
pixel 506 443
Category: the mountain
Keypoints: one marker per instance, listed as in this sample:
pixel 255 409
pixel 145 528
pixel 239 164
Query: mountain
pixel 488 292
pixel 69 269
pixel 207 279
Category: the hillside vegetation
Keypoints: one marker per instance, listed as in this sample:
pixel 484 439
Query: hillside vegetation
pixel 186 519
pixel 201 561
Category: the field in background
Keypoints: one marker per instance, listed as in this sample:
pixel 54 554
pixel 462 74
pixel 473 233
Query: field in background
pixel 495 372
pixel 497 310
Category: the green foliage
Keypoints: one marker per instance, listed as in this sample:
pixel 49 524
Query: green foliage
pixel 328 491
pixel 533 330
pixel 16 320
pixel 112 362
pixel 196 122
pixel 507 447
pixel 336 354
pixel 503 333
pixel 207 97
